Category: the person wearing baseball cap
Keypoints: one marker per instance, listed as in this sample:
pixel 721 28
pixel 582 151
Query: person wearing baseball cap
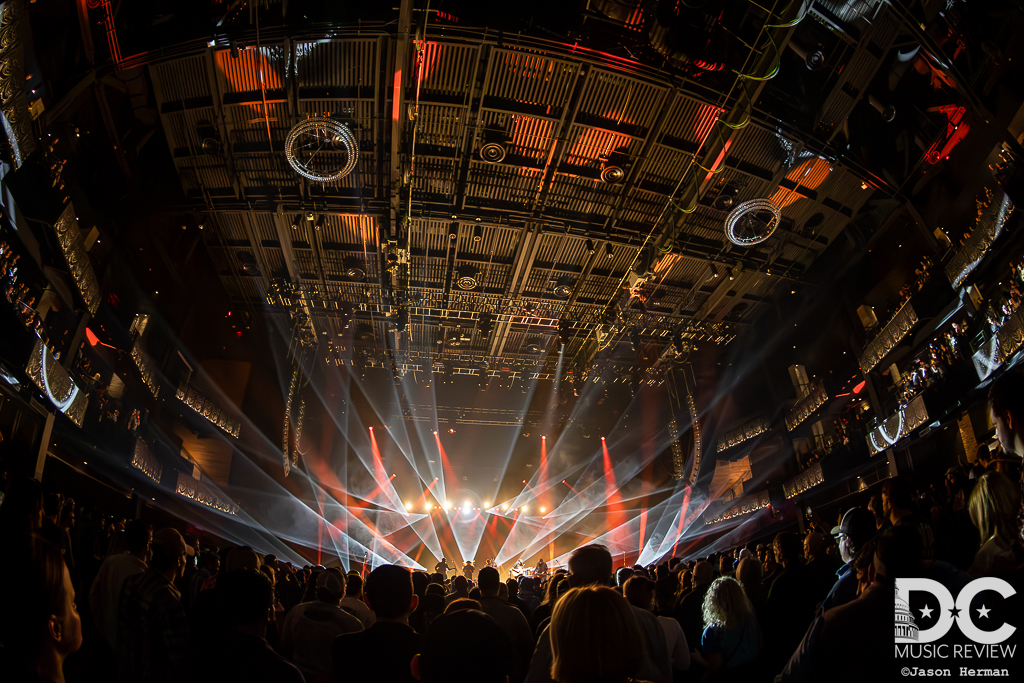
pixel 310 627
pixel 152 629
pixel 855 529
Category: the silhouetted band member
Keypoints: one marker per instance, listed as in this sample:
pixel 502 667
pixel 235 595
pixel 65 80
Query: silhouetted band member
pixel 442 567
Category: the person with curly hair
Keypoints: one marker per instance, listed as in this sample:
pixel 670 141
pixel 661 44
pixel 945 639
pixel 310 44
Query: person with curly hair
pixel 732 636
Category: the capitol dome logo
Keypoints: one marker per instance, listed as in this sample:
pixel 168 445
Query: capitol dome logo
pixel 906 627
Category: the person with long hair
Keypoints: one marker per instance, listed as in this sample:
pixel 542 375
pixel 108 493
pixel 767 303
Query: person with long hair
pixel 994 506
pixel 547 605
pixel 594 638
pixel 732 636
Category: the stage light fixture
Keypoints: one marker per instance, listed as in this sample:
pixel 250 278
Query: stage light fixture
pixel 408 506
pixel 523 509
pixel 608 252
pixel 564 332
pixel 485 324
pixel 563 287
pixel 297 222
pixel 321 222
pixel 487 505
pixel 543 510
pixel 589 245
pixel 478 233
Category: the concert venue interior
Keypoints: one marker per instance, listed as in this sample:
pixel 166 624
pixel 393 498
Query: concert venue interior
pixel 371 283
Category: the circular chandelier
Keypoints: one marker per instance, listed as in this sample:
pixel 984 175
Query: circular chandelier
pixel 752 222
pixel 313 146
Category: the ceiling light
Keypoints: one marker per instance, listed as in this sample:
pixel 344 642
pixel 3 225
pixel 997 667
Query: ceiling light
pixel 354 268
pixel 492 152
pixel 466 277
pixel 608 253
pixel 612 174
pixel 533 345
pixel 563 287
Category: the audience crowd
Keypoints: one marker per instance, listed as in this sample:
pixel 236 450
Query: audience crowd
pixel 809 606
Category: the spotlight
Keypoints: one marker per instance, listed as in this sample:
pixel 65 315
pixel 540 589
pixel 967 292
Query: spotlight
pixel 486 323
pixel 429 507
pixel 492 152
pixel 602 438
pixel 447 506
pixel 589 245
pixel 451 431
pixel 505 507
pixel 543 510
pixel 320 222
pixel 563 287
pixel 408 506
pixel 564 332
pixel 297 222
pixel 402 320
pixel 478 233
pixel 608 253
pixel 487 505
pixel 354 268
pixel 523 509
pixel 714 271
pixel 612 174
pixel 466 277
